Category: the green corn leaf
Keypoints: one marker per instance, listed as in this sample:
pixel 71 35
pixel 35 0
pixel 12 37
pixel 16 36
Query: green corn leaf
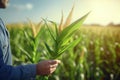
pixel 49 50
pixel 71 28
pixel 40 32
pixel 57 34
pixel 56 29
pixel 55 42
pixel 27 36
pixel 50 31
pixel 26 53
pixel 37 38
pixel 71 45
pixel 67 37
pixel 65 41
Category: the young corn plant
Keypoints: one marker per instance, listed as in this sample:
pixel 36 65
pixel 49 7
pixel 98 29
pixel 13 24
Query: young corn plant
pixel 62 36
pixel 32 42
pixel 62 39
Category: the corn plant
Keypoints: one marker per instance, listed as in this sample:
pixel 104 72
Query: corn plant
pixel 32 42
pixel 31 50
pixel 63 39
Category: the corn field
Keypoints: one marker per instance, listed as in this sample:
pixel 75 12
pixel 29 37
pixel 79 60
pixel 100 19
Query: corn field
pixel 95 57
pixel 86 53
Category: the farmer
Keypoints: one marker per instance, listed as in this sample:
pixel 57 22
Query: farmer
pixel 21 72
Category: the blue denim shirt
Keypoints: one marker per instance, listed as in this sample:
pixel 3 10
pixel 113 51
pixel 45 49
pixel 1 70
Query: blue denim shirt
pixel 7 71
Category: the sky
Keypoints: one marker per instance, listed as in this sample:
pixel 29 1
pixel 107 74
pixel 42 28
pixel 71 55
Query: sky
pixel 102 11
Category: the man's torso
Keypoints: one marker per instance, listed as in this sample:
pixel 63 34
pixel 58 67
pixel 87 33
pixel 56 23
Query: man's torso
pixel 4 44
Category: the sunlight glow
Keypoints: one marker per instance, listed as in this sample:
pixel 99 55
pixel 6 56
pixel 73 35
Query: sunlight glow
pixel 106 11
pixel 103 11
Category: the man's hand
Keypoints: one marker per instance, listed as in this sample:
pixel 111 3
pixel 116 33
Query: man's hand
pixel 47 67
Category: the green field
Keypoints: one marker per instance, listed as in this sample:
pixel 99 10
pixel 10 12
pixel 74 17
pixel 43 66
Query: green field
pixel 96 57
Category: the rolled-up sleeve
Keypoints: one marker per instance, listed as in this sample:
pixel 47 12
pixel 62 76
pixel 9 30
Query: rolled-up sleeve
pixel 22 72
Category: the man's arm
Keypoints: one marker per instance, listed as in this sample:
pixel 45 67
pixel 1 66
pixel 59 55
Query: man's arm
pixel 7 72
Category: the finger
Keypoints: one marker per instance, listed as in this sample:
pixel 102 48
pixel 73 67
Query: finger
pixel 53 66
pixel 52 70
pixel 52 62
pixel 49 71
pixel 58 61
